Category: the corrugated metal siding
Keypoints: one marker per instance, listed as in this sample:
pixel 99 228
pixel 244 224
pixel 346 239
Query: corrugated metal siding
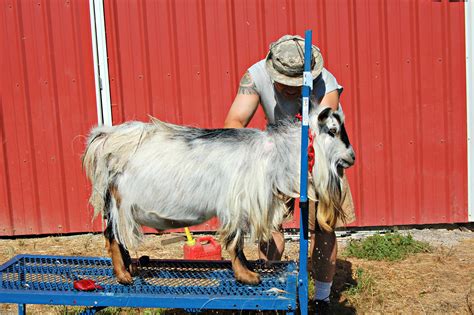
pixel 47 105
pixel 402 64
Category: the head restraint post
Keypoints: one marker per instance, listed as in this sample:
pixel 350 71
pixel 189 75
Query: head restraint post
pixel 306 91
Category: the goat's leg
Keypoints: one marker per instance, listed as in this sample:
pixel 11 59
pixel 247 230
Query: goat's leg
pixel 121 260
pixel 240 267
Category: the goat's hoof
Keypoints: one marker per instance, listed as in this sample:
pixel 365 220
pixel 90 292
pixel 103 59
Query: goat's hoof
pixel 124 277
pixel 249 277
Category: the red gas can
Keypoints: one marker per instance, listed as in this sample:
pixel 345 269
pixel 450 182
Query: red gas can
pixel 205 248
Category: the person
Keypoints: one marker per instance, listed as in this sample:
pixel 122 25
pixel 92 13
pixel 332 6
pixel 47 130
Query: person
pixel 275 83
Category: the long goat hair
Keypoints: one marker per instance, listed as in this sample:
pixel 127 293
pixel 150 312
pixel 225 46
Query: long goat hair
pixel 167 176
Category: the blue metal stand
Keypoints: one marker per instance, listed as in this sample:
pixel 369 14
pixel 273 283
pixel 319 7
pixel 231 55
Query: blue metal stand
pixel 189 285
pixel 306 91
pixel 21 309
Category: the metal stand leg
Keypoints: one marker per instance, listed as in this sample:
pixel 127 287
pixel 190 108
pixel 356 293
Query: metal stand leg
pixel 21 309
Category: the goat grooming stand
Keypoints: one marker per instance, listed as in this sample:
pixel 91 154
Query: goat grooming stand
pixel 190 285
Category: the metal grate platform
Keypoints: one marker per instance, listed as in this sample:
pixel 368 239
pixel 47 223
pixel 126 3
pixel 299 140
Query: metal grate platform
pixel 196 285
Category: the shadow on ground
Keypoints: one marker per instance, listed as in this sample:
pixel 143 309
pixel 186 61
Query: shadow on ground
pixel 343 280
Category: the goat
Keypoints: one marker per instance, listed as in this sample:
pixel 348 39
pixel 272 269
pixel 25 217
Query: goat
pixel 168 176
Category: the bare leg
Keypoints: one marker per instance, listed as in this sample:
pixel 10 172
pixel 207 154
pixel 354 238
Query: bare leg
pixel 323 251
pixel 239 265
pixel 273 249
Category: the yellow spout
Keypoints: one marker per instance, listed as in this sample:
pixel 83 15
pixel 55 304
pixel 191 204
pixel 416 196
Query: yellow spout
pixel 190 240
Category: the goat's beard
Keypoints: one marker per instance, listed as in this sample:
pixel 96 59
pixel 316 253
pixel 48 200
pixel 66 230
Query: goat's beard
pixel 329 209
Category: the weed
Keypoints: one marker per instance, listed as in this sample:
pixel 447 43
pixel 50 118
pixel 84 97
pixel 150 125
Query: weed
pixel 310 286
pixel 365 283
pixel 69 310
pixel 391 246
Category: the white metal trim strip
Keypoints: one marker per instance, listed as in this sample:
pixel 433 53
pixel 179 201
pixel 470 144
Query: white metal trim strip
pixel 469 14
pixel 101 69
pixel 96 63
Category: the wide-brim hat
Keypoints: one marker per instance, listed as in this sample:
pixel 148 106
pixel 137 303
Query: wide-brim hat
pixel 285 60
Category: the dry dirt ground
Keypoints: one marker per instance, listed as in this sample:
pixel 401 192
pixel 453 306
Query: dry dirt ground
pixel 438 282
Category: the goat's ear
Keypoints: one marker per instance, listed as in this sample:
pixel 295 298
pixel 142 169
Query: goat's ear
pixel 324 114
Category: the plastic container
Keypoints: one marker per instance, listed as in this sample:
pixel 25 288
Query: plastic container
pixel 205 248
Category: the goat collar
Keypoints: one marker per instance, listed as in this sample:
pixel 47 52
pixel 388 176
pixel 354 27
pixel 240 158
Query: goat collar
pixel 310 145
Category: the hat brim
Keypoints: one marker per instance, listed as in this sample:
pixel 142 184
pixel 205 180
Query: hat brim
pixel 294 81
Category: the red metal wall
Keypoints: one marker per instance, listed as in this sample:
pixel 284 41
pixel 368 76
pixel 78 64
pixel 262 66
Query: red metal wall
pixel 402 64
pixel 47 104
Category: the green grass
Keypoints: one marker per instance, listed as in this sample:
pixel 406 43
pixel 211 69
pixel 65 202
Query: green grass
pixel 69 310
pixel 365 283
pixel 391 247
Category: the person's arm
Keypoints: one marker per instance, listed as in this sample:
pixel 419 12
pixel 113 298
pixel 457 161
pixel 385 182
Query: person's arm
pixel 245 104
pixel 331 99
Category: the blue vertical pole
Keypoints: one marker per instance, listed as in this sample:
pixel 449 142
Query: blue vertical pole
pixel 306 91
pixel 21 309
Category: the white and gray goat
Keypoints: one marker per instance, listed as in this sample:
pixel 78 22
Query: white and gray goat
pixel 167 176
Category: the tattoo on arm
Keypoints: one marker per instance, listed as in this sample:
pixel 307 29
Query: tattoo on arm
pixel 247 86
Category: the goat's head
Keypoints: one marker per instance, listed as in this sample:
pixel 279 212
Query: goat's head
pixel 327 126
pixel 332 155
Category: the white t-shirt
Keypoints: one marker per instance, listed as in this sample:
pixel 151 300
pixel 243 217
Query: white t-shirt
pixel 278 107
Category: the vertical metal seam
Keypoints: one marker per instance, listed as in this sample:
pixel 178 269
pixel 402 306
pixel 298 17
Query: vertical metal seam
pixel 355 77
pixel 6 171
pixel 418 122
pixel 127 46
pixel 324 31
pixel 57 122
pixel 447 104
pixel 115 35
pixel 468 16
pixel 387 128
pixel 204 77
pixel 4 143
pixel 29 130
pixel 291 6
pixel 261 23
pixel 145 39
pixel 233 45
pixel 176 67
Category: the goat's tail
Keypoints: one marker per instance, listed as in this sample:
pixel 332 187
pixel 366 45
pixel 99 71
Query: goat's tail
pixel 95 165
pixel 107 152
